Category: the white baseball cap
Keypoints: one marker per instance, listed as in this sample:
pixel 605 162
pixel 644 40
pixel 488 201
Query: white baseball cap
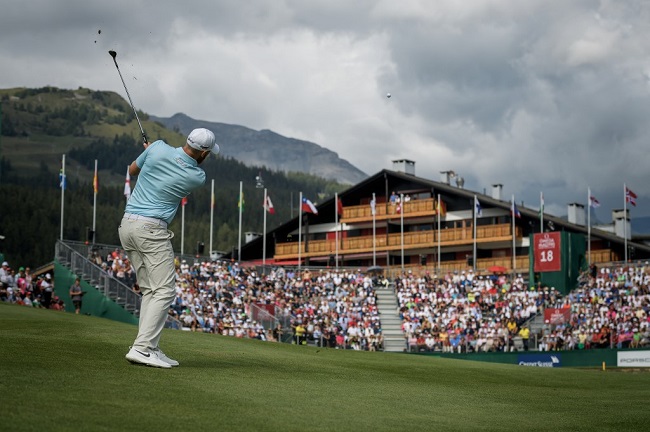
pixel 203 139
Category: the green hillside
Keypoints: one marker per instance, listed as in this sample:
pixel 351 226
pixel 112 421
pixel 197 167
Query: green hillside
pixel 40 125
pixel 67 372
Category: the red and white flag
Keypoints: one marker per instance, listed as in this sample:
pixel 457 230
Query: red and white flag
pixel 127 185
pixel 308 206
pixel 268 206
pixel 630 196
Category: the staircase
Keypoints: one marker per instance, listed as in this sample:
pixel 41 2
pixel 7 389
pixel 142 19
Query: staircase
pixel 536 324
pixel 391 324
pixel 74 257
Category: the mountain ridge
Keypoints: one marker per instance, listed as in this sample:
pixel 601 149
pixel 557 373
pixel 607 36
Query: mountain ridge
pixel 269 149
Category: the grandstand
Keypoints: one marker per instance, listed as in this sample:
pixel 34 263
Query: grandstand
pixel 451 313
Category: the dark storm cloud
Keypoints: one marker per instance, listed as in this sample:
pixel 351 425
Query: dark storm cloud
pixel 534 95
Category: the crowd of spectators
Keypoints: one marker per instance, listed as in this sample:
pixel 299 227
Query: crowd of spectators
pixel 116 263
pixel 610 308
pixel 328 308
pixel 462 312
pixel 456 312
pixel 325 308
pixel 22 288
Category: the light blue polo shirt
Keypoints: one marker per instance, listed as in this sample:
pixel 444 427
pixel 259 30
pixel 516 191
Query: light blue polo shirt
pixel 167 174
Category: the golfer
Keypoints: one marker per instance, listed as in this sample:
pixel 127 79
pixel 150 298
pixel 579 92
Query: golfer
pixel 165 176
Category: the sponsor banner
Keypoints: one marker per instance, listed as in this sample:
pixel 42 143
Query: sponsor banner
pixel 633 359
pixel 547 252
pixel 539 360
pixel 557 316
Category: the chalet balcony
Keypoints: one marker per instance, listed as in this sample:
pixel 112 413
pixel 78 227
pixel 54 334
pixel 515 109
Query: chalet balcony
pixel 383 211
pixel 393 242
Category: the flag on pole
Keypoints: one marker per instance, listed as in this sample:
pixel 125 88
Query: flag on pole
pixel 541 204
pixel 441 208
pixel 593 202
pixel 268 206
pixel 630 196
pixel 308 206
pixel 240 203
pixel 515 211
pixel 478 209
pixel 127 185
pixel 398 208
pixel 373 207
pixel 212 199
pixel 339 207
pixel 184 201
pixel 96 183
pixel 62 182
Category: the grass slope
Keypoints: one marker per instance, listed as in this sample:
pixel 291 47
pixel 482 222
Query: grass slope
pixel 67 372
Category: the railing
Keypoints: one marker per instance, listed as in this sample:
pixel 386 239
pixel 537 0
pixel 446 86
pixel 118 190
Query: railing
pixel 412 240
pixel 70 256
pixel 421 207
pixel 482 265
pixel 603 256
pixel 271 321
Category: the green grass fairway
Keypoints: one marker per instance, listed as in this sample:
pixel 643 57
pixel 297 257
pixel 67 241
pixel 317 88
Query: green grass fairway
pixel 61 371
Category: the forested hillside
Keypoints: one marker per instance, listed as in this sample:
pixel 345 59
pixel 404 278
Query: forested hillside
pixel 40 125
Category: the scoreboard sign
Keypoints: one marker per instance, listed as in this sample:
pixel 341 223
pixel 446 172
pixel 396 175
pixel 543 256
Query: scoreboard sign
pixel 547 252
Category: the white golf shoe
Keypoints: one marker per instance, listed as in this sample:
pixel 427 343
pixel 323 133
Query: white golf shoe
pixel 166 359
pixel 147 357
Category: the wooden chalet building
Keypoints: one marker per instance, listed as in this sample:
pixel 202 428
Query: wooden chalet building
pixel 427 234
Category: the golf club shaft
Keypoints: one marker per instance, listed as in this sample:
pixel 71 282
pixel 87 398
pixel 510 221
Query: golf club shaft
pixel 144 136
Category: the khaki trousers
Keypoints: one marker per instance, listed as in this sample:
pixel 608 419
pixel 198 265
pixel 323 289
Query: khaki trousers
pixel 149 248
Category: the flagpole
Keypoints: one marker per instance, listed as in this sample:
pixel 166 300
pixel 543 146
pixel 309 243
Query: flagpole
pixel 438 213
pixel 264 209
pixel 241 206
pixel 401 214
pixel 182 229
pixel 588 226
pixel 63 184
pixel 95 185
pixel 336 225
pixel 625 219
pixel 514 250
pixel 211 216
pixel 374 230
pixel 541 212
pixel 299 231
pixel 474 234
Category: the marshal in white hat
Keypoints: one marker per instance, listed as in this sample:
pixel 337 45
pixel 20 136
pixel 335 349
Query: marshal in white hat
pixel 203 139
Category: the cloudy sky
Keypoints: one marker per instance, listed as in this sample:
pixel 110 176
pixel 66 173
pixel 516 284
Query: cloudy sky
pixel 536 95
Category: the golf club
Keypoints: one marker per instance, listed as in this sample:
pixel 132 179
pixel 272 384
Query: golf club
pixel 144 136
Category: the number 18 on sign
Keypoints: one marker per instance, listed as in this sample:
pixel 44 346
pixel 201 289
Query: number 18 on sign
pixel 547 252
